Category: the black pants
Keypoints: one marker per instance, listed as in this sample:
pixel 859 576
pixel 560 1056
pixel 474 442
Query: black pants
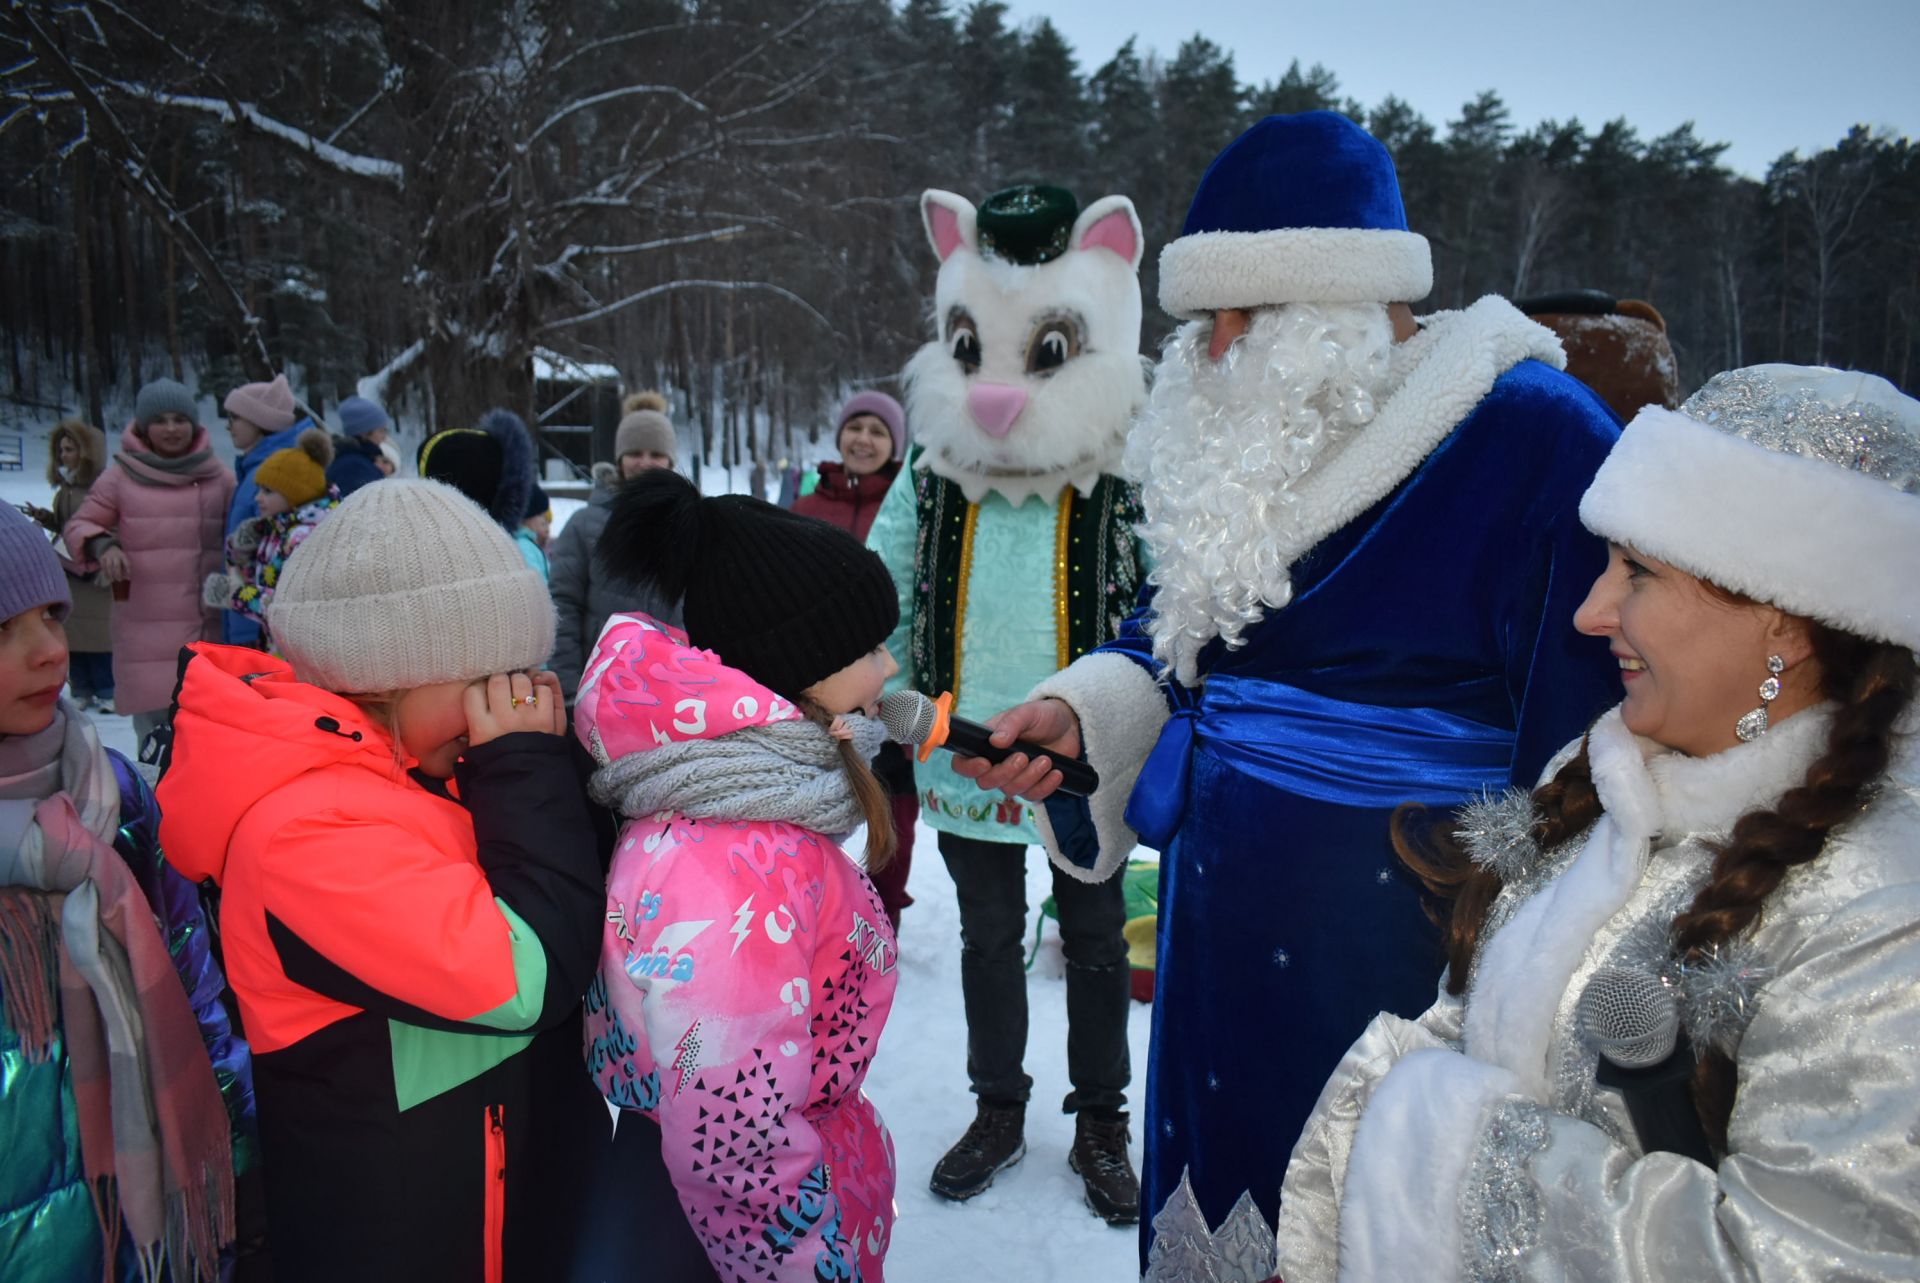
pixel 991 880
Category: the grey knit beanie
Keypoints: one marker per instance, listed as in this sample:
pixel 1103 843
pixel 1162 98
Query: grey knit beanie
pixel 407 584
pixel 645 426
pixel 163 396
pixel 30 573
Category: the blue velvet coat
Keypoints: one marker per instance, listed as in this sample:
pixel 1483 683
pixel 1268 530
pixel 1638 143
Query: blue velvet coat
pixel 1428 653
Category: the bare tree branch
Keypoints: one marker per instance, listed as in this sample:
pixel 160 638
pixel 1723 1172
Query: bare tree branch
pixel 137 176
pixel 728 287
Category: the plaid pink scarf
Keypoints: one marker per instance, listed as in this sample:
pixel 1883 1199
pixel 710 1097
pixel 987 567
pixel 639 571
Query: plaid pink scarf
pixel 153 1132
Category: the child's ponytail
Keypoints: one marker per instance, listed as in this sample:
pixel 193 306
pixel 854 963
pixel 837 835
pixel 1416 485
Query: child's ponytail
pixel 875 803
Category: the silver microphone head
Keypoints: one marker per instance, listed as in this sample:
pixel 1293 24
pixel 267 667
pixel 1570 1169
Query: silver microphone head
pixel 908 716
pixel 1629 1017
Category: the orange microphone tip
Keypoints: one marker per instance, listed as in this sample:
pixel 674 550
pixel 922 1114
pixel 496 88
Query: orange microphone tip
pixel 942 721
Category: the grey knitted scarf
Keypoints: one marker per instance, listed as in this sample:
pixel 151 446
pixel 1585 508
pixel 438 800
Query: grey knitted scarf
pixel 786 771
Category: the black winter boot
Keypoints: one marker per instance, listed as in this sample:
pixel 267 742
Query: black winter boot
pixel 993 1143
pixel 1099 1154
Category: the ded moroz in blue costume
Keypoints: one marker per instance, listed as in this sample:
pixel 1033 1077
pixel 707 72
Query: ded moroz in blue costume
pixel 1367 558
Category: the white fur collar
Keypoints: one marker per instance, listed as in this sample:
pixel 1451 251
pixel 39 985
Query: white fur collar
pixel 1707 794
pixel 1450 366
pixel 1651 795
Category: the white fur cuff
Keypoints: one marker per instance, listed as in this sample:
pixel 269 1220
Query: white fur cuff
pixel 1207 271
pixel 1806 536
pixel 1121 710
pixel 1400 1209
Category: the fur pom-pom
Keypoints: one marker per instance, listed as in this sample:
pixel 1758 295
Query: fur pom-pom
pixel 509 504
pixel 643 401
pixel 605 474
pixel 652 535
pixel 316 445
pixel 1497 832
pixel 1717 993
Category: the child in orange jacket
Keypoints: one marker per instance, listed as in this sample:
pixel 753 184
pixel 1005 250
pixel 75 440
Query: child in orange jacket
pixel 410 882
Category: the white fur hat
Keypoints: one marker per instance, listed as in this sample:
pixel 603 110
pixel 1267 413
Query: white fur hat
pixel 1796 485
pixel 406 584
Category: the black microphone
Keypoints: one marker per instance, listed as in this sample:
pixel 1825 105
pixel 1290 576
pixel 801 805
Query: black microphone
pixel 1629 1017
pixel 913 719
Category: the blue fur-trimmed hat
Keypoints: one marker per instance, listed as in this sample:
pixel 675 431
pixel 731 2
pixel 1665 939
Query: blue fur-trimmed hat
pixel 1298 209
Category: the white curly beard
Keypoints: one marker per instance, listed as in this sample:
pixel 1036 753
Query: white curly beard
pixel 1221 449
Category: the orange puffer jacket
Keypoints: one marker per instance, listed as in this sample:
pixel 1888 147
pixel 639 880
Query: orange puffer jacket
pixel 395 945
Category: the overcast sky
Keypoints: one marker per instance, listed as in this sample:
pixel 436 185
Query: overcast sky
pixel 1766 76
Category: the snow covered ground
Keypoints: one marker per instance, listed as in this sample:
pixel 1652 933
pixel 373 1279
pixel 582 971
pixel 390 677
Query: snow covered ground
pixel 1033 1223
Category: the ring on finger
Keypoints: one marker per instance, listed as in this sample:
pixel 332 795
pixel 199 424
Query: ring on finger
pixel 531 700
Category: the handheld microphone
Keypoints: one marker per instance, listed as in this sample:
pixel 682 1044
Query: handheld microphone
pixel 1629 1017
pixel 913 719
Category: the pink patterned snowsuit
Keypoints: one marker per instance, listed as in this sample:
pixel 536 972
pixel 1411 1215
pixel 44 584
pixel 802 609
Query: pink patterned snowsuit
pixel 745 974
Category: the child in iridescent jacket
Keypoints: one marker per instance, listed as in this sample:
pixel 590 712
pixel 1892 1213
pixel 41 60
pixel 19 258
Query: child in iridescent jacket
pixel 126 1098
pixel 747 966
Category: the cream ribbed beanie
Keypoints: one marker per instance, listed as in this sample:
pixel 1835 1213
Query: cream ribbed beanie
pixel 407 584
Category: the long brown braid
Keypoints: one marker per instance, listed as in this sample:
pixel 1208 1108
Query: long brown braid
pixel 1465 891
pixel 1872 682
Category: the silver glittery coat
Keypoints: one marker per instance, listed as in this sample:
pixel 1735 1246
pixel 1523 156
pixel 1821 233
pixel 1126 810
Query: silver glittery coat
pixel 1474 1144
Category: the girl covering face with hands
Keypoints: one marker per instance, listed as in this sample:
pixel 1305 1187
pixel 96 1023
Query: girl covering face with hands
pixel 411 885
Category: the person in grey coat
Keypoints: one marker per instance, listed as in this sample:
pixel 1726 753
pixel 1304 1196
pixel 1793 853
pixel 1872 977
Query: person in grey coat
pixel 584 594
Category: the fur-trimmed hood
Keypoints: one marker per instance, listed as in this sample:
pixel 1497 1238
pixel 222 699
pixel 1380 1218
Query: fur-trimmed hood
pixel 92 443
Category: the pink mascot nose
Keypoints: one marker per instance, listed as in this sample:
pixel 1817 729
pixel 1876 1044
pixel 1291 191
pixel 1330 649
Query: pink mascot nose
pixel 995 406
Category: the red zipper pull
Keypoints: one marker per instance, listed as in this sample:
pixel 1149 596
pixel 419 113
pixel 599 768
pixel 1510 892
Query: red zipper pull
pixel 494 1228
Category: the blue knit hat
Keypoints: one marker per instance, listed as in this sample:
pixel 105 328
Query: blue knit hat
pixel 1299 209
pixel 30 573
pixel 359 417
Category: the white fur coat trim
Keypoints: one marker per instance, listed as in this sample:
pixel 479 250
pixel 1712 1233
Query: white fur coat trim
pixel 1807 536
pixel 1207 271
pixel 1400 1208
pixel 1652 796
pixel 1122 710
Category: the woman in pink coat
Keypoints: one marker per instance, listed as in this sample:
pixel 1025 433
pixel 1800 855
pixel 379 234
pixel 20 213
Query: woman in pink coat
pixel 747 966
pixel 155 523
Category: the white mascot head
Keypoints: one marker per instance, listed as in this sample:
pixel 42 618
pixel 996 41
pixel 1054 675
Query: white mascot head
pixel 1036 370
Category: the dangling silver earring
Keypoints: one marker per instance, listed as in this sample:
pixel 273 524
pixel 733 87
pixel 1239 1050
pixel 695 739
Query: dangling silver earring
pixel 1754 725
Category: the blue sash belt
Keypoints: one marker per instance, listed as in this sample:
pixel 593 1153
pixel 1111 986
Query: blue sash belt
pixel 1359 755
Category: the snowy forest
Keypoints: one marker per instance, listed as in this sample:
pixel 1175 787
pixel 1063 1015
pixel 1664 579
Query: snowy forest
pixel 720 199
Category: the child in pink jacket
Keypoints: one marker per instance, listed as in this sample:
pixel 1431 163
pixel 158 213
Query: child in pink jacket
pixel 747 965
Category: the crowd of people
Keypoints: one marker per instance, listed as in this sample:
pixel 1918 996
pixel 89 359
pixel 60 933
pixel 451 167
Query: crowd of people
pixel 1536 799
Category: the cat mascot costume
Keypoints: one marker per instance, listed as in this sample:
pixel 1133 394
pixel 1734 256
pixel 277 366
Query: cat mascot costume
pixel 1014 553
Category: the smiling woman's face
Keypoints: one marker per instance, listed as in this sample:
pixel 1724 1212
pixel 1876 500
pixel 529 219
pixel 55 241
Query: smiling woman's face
pixel 1691 660
pixel 866 443
pixel 33 668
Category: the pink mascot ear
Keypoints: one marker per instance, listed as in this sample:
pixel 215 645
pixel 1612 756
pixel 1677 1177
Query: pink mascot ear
pixel 945 231
pixel 1110 223
pixel 949 220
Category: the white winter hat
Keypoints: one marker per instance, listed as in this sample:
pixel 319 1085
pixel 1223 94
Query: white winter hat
pixel 1795 485
pixel 406 584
